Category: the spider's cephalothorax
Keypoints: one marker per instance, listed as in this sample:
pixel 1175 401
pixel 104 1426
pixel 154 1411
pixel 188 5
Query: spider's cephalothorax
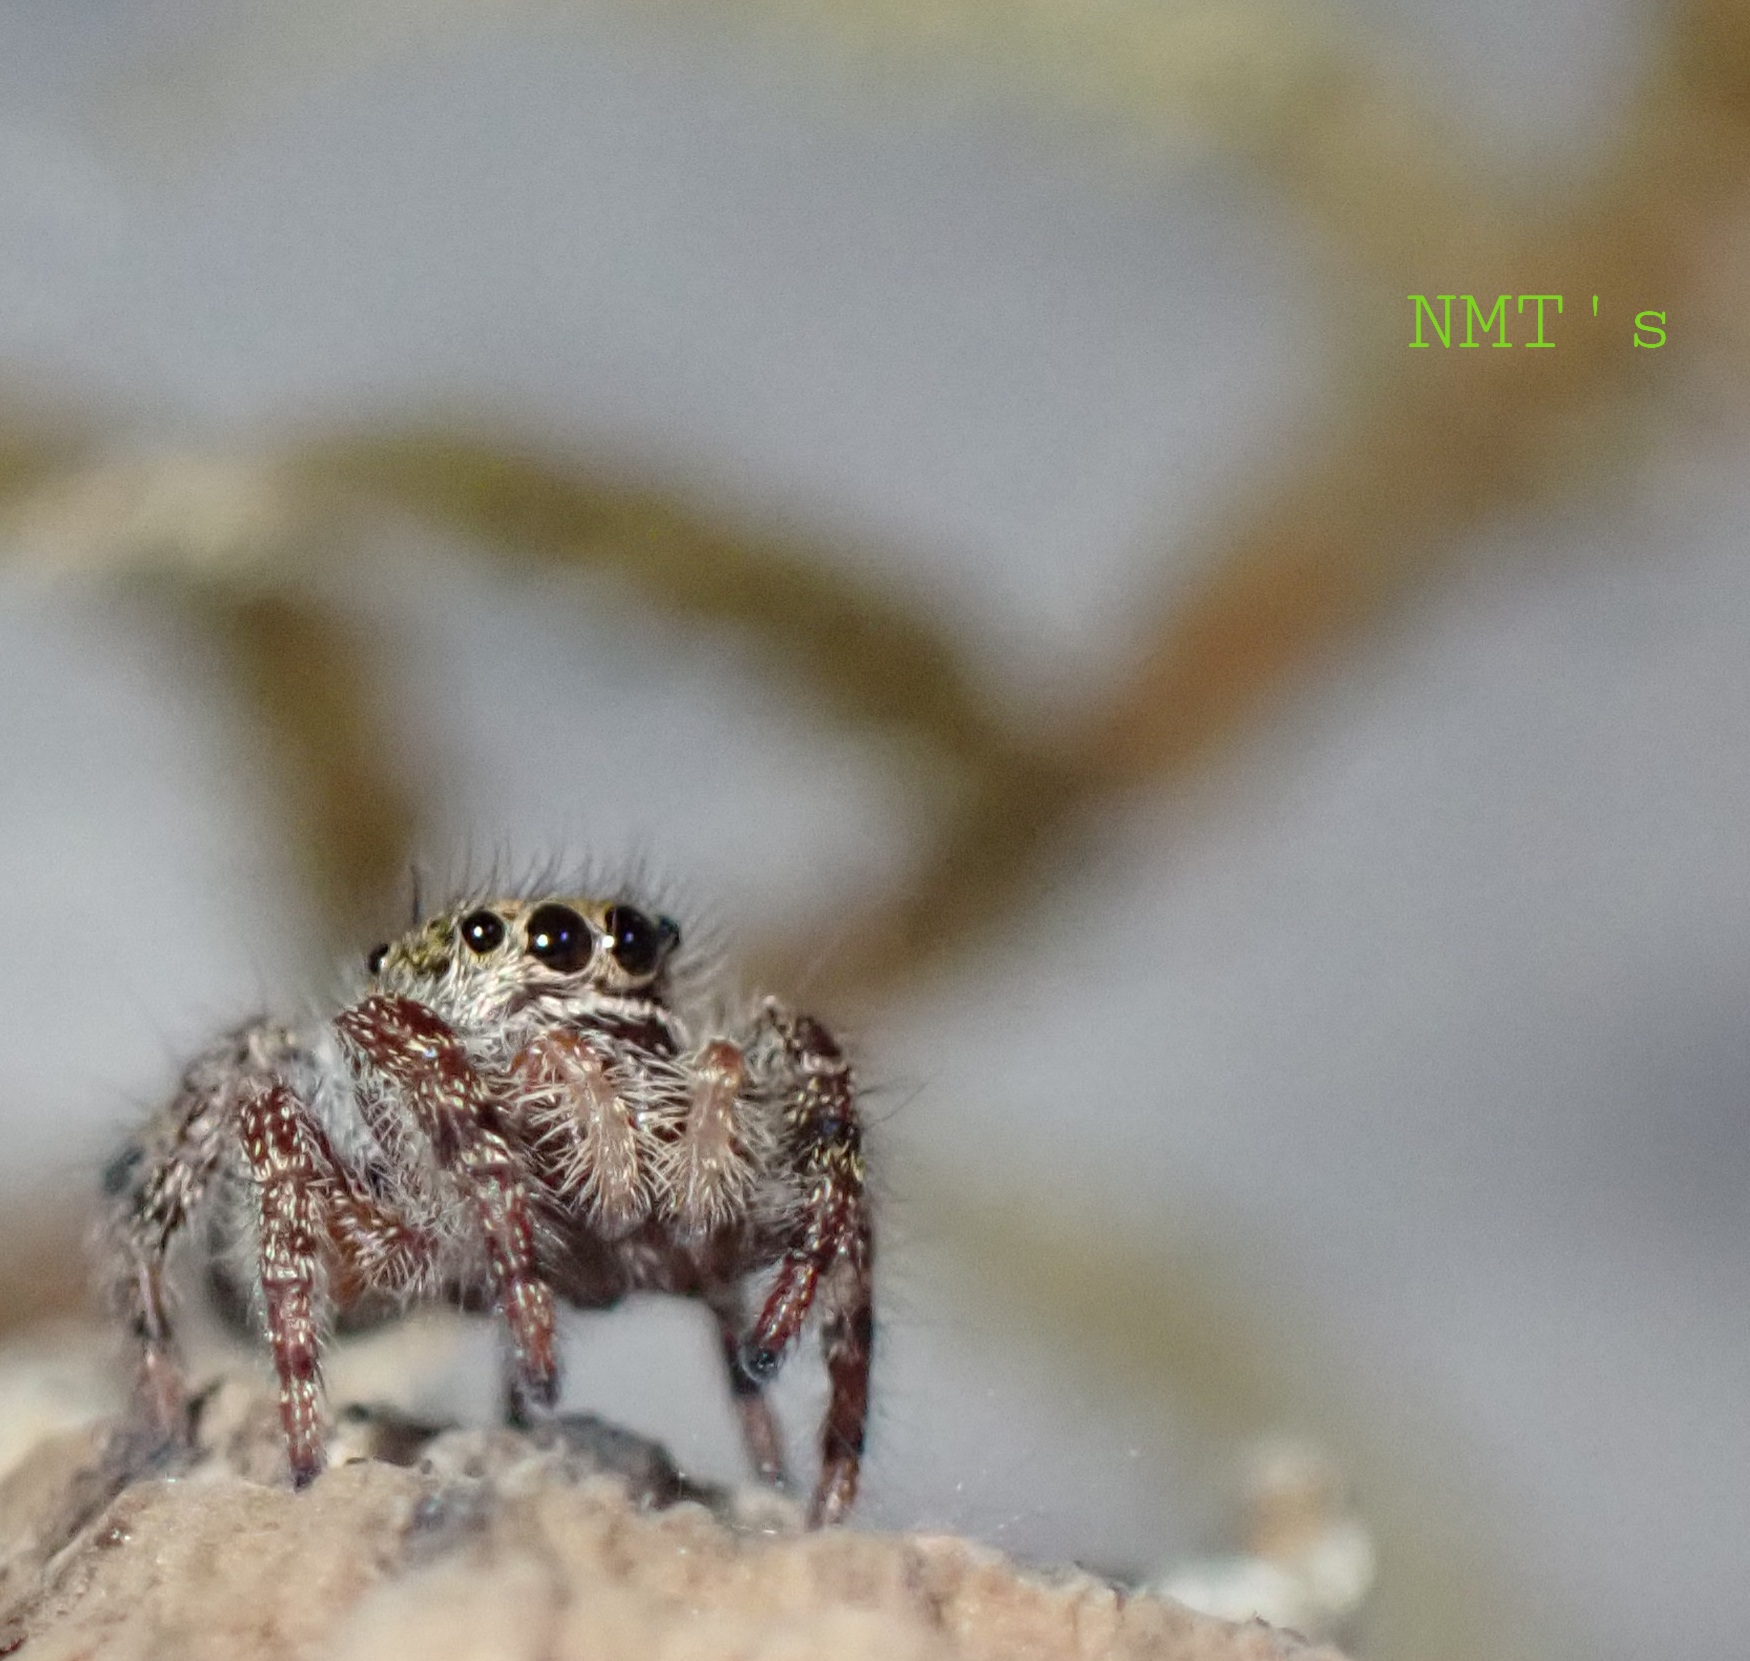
pixel 521 1107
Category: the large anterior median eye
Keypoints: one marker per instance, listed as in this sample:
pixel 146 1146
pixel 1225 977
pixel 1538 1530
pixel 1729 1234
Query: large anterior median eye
pixel 559 938
pixel 640 945
pixel 482 930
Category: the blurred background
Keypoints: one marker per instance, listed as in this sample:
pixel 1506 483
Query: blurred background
pixel 944 486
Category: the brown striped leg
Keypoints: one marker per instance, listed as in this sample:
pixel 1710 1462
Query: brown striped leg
pixel 422 1054
pixel 781 1320
pixel 760 1433
pixel 830 1251
pixel 288 1197
pixel 154 1185
pixel 847 1335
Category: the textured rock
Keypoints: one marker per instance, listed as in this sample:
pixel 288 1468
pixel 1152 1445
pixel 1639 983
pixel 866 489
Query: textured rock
pixel 584 1544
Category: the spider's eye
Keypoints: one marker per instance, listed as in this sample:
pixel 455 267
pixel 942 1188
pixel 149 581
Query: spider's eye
pixel 639 944
pixel 559 938
pixel 375 961
pixel 482 930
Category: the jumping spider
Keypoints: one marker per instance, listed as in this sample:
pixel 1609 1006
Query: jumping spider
pixel 524 1105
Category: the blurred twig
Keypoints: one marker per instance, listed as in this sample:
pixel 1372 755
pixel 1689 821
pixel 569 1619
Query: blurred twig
pixel 35 451
pixel 44 1270
pixel 855 652
pixel 304 671
pixel 860 653
pixel 1449 442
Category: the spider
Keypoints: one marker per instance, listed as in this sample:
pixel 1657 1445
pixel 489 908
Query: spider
pixel 525 1104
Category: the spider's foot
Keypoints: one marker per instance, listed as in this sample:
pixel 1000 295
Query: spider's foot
pixel 759 1363
pixel 531 1403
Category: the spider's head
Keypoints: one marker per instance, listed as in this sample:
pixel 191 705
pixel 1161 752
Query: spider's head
pixel 479 961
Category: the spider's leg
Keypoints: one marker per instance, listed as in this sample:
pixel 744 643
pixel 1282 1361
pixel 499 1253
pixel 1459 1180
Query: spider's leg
pixel 155 1183
pixel 423 1056
pixel 847 1334
pixel 760 1433
pixel 830 1250
pixel 287 1162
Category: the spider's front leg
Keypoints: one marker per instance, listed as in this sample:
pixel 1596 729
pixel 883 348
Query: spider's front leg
pixel 312 1214
pixel 451 1105
pixel 829 1255
pixel 292 1168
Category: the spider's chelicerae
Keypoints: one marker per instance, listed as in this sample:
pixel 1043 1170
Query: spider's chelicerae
pixel 525 1105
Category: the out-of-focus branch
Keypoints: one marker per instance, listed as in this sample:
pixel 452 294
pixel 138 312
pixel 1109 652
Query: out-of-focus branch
pixel 1451 440
pixel 303 669
pixel 33 451
pixel 1301 90
pixel 44 1271
pixel 855 652
pixel 860 654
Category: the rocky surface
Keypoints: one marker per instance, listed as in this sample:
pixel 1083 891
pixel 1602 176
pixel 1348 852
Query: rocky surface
pixel 584 1544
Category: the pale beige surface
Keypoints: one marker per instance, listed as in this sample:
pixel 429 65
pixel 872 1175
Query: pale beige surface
pixel 488 1547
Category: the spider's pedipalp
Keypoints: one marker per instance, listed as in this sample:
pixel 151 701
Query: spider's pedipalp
pixel 712 1167
pixel 580 1116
